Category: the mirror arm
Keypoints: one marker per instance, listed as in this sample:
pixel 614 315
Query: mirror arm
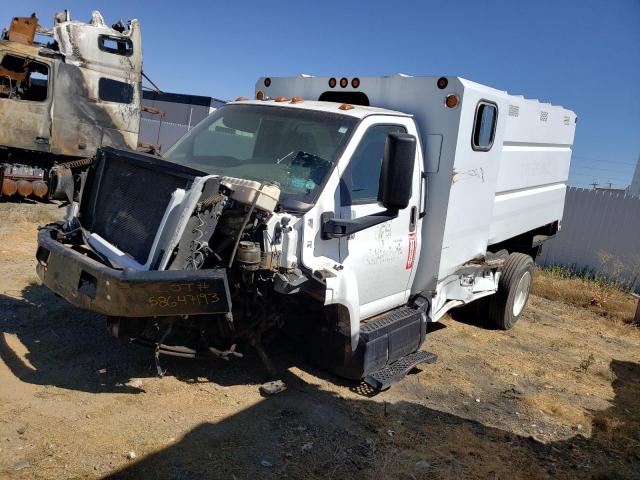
pixel 337 228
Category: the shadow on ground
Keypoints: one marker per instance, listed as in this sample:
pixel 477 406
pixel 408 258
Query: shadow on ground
pixel 309 433
pixel 70 348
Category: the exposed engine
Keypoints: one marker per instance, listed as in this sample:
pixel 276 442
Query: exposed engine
pixel 207 223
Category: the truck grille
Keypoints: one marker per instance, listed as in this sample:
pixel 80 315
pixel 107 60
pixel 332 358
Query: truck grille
pixel 125 198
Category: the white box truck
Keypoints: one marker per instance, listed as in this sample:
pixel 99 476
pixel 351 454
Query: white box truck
pixel 344 212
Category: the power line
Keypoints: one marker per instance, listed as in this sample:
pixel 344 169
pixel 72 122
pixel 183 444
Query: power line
pixel 604 161
pixel 586 174
pixel 595 168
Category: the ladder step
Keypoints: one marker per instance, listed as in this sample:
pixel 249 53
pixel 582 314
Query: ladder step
pixel 383 378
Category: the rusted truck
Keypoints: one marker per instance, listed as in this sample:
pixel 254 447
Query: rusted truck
pixel 64 97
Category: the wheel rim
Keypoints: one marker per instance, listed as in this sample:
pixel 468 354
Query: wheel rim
pixel 522 293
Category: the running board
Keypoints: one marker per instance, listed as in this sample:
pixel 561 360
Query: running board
pixel 383 378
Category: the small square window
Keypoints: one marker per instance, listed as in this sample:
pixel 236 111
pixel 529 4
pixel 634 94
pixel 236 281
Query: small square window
pixel 114 91
pixel 484 126
pixel 115 45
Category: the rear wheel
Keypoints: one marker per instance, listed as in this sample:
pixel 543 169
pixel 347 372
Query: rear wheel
pixel 506 306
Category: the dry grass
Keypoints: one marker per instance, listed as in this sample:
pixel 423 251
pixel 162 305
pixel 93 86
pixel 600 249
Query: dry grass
pixel 32 213
pixel 551 404
pixel 597 296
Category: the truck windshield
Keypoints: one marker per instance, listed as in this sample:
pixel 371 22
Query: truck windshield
pixel 292 147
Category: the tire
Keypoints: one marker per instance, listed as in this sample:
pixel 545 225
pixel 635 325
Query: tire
pixel 514 286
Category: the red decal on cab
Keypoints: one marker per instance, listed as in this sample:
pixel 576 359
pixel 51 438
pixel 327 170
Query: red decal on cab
pixel 412 251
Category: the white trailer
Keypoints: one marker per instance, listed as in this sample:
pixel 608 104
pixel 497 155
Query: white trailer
pixel 373 204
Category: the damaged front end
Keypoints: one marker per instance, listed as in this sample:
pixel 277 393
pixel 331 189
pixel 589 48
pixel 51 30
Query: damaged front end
pixel 182 261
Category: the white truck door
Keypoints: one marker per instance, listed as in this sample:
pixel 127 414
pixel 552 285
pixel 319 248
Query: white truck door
pixel 382 257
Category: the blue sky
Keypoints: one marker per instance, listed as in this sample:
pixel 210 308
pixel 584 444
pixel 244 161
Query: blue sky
pixel 582 54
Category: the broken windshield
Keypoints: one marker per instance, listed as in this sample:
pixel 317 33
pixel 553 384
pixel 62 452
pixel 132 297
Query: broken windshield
pixel 295 148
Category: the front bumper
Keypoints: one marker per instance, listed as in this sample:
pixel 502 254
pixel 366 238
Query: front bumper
pixel 90 285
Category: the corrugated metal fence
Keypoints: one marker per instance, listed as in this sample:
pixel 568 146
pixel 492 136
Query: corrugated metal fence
pixel 600 234
pixel 160 133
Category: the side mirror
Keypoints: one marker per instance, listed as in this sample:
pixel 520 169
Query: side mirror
pixel 396 174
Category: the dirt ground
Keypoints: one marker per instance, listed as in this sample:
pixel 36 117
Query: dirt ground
pixel 556 397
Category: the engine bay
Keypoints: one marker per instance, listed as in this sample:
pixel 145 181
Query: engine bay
pixel 192 222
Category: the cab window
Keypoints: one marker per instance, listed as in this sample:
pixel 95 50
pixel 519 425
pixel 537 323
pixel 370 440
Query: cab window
pixel 363 175
pixel 110 90
pixel 23 79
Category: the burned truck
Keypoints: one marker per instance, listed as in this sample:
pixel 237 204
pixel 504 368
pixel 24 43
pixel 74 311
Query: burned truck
pixel 311 213
pixel 65 91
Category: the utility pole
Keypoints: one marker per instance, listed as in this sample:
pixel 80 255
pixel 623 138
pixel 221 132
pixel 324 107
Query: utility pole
pixel 595 184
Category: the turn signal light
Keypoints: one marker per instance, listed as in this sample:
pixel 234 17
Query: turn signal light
pixel 40 188
pixel 345 106
pixel 282 99
pixel 25 188
pixel 451 100
pixel 297 100
pixel 9 187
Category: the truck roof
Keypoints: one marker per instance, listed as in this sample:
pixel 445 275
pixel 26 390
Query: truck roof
pixel 394 91
pixel 357 111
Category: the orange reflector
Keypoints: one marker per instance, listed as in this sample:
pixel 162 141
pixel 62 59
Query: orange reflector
pixel 260 95
pixel 297 100
pixel 282 99
pixel 9 187
pixel 345 106
pixel 241 99
pixel 344 82
pixel 40 188
pixel 25 188
pixel 451 101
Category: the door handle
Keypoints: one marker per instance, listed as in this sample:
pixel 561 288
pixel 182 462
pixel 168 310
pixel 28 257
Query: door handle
pixel 412 218
pixel 423 194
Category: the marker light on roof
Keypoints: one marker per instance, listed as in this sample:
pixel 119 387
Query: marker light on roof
pixel 345 106
pixel 241 99
pixel 344 82
pixel 442 83
pixel 451 100
pixel 332 82
pixel 267 82
pixel 260 95
pixel 355 83
pixel 297 100
pixel 282 99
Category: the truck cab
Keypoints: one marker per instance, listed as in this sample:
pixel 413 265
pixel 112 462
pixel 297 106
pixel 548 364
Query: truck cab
pixel 62 100
pixel 347 226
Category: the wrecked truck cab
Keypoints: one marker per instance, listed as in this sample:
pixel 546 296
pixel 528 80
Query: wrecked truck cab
pixel 64 93
pixel 198 248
